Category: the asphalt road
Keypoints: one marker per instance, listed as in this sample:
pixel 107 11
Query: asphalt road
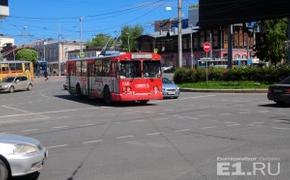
pixel 165 140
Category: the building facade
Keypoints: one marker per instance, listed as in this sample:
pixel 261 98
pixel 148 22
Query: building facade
pixel 166 42
pixel 55 53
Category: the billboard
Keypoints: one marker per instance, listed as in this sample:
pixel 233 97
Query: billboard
pixel 223 12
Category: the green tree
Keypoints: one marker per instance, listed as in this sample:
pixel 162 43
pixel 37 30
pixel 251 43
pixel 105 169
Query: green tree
pixel 271 45
pixel 129 35
pixel 27 54
pixel 100 40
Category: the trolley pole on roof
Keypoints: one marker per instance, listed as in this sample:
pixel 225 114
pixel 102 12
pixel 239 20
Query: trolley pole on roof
pixel 179 33
pixel 81 36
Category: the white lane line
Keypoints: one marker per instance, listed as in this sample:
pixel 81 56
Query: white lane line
pixel 125 137
pixel 280 128
pixel 87 125
pixel 226 114
pixel 139 120
pixel 183 99
pixel 189 117
pixel 153 134
pixel 57 146
pixel 23 120
pixel 29 130
pixel 230 122
pixel 244 112
pixel 93 141
pixel 231 125
pixel 161 119
pixel 256 124
pixel 208 127
pixel 182 130
pixel 49 112
pixel 60 127
pixel 15 109
pixel 211 120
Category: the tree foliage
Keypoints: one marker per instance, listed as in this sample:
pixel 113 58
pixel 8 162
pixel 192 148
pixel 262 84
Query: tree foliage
pixel 26 54
pixel 129 34
pixel 100 41
pixel 271 45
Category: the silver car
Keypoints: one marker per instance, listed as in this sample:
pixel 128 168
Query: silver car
pixel 11 84
pixel 169 89
pixel 20 156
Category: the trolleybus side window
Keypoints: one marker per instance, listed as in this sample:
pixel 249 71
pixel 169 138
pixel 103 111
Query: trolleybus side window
pixel 78 68
pixel 84 68
pixel 98 67
pixel 130 69
pixel 106 67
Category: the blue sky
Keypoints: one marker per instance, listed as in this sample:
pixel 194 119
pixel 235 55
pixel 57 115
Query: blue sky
pixel 38 19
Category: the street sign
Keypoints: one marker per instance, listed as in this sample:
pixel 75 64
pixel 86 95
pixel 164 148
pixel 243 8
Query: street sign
pixel 206 47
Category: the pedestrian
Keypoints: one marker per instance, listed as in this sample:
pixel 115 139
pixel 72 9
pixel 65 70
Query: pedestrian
pixel 45 75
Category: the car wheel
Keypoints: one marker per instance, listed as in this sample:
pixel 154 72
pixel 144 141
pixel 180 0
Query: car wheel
pixel 143 102
pixel 29 88
pixel 107 96
pixel 78 91
pixel 3 171
pixel 11 89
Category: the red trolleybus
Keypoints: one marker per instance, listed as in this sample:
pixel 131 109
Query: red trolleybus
pixel 125 77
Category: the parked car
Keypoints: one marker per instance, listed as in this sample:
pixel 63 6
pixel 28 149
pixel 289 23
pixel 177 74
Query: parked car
pixel 11 84
pixel 280 93
pixel 169 89
pixel 20 156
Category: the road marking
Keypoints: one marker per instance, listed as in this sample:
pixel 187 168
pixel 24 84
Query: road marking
pixel 231 125
pixel 153 134
pixel 263 111
pixel 230 122
pixel 280 128
pixel 93 141
pixel 57 146
pixel 226 114
pixel 189 117
pixel 49 112
pixel 23 120
pixel 15 109
pixel 211 120
pixel 125 137
pixel 139 120
pixel 87 125
pixel 256 124
pixel 29 130
pixel 161 119
pixel 208 127
pixel 60 127
pixel 182 130
pixel 182 99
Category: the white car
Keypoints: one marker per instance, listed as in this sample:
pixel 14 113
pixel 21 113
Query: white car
pixel 20 156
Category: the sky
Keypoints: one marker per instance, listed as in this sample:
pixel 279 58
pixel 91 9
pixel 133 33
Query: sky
pixel 32 20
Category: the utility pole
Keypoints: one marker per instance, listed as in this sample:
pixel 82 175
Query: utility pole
pixel 81 36
pixel 288 42
pixel 191 50
pixel 179 33
pixel 230 46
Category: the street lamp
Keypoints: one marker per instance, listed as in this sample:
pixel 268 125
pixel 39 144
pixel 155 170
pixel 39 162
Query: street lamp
pixel 128 41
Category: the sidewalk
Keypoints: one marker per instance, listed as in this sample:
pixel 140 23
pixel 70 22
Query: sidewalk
pixel 225 90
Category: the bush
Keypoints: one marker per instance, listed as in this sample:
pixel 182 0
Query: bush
pixel 269 74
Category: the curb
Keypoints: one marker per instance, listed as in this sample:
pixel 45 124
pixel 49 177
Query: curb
pixel 225 90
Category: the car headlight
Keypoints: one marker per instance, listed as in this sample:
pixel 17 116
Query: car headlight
pixel 6 86
pixel 24 149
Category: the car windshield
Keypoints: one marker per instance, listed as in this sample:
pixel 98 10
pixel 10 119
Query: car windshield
pixel 166 81
pixel 130 69
pixel 9 79
pixel 286 80
pixel 151 69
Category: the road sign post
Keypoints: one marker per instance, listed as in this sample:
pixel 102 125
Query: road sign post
pixel 206 48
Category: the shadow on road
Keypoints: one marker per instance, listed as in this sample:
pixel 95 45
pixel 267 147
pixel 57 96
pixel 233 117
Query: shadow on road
pixel 275 105
pixel 33 176
pixel 99 102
